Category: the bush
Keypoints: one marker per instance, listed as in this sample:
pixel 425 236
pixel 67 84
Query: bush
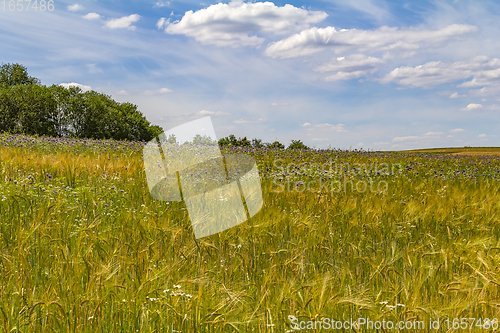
pixel 297 144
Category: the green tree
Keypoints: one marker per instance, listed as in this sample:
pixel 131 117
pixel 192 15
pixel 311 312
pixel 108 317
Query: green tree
pixel 297 144
pixel 8 115
pixel 243 142
pixel 229 140
pixel 276 145
pixel 66 100
pixel 14 74
pixel 203 140
pixel 172 139
pixel 257 143
pixel 28 107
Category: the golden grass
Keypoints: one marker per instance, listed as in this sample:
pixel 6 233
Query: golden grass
pixel 91 258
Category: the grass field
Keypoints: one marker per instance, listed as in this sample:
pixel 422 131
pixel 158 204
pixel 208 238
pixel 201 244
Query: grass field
pixel 460 151
pixel 394 236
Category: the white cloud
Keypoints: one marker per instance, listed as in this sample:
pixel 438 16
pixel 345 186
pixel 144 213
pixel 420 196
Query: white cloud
pixel 483 70
pixel 92 16
pixel 353 40
pixel 212 113
pixel 319 139
pixel 74 84
pixel 123 22
pixel 122 92
pixel 93 69
pixel 352 63
pixel 454 95
pixel 159 91
pixel 457 130
pixel 236 23
pixel 75 8
pixel 246 121
pixel 405 138
pixel 493 107
pixel 472 106
pixel 482 136
pixel 367 7
pixel 335 128
pixel 349 67
pixel 433 134
pixel 162 22
pixel 344 76
pixel 162 4
pixel 305 124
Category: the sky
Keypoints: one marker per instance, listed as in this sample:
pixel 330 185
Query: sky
pixel 370 74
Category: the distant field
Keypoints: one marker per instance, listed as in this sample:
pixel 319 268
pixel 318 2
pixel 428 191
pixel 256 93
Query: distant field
pixel 388 236
pixel 459 151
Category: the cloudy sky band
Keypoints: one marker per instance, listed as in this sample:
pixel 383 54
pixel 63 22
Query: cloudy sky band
pixel 263 69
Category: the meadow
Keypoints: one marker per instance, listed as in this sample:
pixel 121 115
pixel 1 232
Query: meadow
pixel 85 248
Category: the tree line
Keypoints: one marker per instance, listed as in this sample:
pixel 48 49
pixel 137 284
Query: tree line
pixel 257 143
pixel 28 107
pixel 240 142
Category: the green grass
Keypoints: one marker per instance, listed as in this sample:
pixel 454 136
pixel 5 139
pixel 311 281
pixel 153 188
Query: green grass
pixel 78 254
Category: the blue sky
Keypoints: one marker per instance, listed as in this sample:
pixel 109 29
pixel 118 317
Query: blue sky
pixel 371 74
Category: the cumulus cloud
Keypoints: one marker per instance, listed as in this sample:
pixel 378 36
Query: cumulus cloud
pixel 212 113
pixel 92 16
pixel 482 136
pixel 494 107
pixel 433 134
pixel 471 107
pixel 247 121
pixel 75 8
pixel 78 85
pixel 162 22
pixel 235 24
pixel 305 124
pixel 457 130
pixel 159 91
pixel 330 127
pixel 356 41
pixel 405 138
pixel 483 70
pixel 349 67
pixel 161 4
pixel 355 62
pixel 344 76
pixel 123 22
pixel 454 95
